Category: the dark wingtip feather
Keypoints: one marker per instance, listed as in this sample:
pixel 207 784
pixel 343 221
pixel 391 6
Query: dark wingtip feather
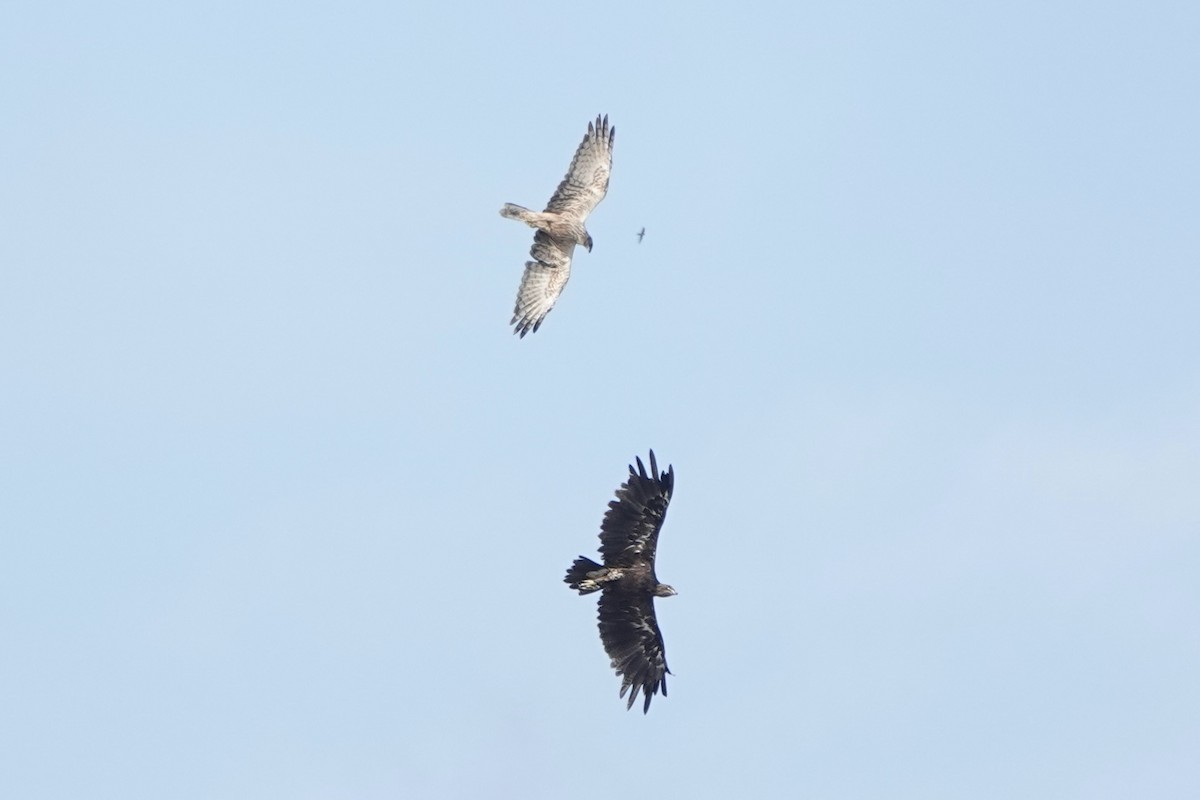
pixel 601 129
pixel 524 325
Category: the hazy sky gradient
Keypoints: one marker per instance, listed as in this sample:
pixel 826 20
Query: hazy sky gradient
pixel 285 507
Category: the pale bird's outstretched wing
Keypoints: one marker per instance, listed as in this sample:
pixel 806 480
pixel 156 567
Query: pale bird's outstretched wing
pixel 586 181
pixel 542 282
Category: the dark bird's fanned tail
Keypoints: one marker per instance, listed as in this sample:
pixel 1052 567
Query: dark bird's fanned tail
pixel 578 573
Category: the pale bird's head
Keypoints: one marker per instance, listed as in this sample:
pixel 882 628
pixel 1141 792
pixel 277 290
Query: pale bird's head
pixel 662 590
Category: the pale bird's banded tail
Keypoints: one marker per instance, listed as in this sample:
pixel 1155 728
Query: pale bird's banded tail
pixel 522 214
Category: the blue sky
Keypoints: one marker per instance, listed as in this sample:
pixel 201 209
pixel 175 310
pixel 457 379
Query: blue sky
pixel 286 507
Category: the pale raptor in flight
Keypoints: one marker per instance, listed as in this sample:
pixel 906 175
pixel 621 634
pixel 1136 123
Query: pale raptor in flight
pixel 561 226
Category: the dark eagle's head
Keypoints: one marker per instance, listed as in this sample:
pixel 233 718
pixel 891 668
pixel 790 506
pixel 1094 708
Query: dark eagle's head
pixel 662 590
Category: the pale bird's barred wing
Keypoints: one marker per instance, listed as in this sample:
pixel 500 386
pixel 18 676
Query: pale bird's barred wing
pixel 629 530
pixel 629 631
pixel 543 281
pixel 586 181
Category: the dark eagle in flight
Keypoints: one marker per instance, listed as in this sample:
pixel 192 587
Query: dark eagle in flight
pixel 628 538
pixel 561 226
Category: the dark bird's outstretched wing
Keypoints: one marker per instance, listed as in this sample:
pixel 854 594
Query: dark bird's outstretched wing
pixel 632 640
pixel 586 181
pixel 544 280
pixel 629 531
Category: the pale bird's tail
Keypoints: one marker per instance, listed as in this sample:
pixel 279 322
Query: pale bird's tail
pixel 534 219
pixel 514 211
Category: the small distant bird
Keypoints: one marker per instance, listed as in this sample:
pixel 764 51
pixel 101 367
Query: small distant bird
pixel 628 540
pixel 641 233
pixel 561 226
